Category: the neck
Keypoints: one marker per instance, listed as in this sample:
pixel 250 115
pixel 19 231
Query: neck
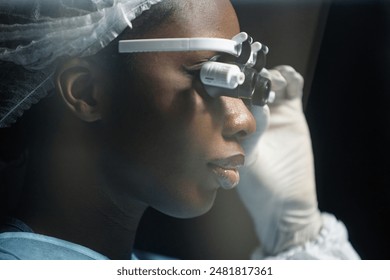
pixel 68 201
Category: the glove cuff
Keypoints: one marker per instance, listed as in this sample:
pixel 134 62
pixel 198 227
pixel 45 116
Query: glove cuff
pixel 331 242
pixel 294 228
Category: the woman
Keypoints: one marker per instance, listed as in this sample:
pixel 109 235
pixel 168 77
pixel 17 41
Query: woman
pixel 122 132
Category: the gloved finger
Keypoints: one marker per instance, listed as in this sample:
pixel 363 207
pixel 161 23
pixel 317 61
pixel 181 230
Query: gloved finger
pixel 278 85
pixel 278 82
pixel 262 117
pixel 294 80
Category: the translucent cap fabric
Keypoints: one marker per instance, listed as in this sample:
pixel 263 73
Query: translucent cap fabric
pixel 43 31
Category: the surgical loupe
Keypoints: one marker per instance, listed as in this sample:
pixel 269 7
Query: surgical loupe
pixel 236 73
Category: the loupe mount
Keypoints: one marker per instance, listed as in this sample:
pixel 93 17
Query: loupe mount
pixel 235 73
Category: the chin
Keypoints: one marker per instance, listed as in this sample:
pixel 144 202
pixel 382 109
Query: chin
pixel 190 207
pixel 192 213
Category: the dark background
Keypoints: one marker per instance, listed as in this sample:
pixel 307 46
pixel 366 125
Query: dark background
pixel 342 49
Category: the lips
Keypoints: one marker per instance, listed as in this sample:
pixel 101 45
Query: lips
pixel 226 170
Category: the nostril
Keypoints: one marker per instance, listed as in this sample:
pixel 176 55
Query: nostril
pixel 241 135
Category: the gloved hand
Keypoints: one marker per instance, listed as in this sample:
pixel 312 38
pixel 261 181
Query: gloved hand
pixel 277 182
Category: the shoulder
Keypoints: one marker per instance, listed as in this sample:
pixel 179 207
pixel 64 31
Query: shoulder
pixel 31 246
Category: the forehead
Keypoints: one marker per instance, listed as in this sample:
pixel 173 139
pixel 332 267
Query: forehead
pixel 200 18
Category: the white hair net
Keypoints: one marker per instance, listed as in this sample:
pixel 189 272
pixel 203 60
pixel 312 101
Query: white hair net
pixel 46 30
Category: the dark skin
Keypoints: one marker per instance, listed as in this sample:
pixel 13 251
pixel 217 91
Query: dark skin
pixel 117 153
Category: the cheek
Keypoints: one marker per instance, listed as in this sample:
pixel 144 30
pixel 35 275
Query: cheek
pixel 171 129
pixel 171 136
pixel 185 188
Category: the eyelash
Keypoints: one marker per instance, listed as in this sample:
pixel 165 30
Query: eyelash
pixel 193 70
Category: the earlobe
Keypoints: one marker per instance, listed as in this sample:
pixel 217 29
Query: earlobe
pixel 76 82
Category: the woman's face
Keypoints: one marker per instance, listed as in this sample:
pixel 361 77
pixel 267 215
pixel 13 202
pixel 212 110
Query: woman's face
pixel 185 144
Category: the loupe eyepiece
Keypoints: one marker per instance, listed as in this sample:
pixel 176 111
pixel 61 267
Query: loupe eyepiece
pixel 223 79
pixel 256 87
pixel 222 75
pixel 261 94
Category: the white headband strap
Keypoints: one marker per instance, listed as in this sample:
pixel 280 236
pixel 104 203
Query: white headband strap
pixel 180 45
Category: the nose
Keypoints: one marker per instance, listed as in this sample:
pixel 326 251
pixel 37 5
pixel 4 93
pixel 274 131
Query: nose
pixel 239 122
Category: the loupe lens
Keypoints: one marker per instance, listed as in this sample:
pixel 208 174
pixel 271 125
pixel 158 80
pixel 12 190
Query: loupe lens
pixel 256 87
pixel 247 89
pixel 261 91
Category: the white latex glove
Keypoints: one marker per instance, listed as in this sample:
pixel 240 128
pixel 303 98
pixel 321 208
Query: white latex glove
pixel 277 183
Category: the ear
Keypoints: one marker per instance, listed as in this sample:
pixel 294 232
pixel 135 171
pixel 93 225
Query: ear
pixel 80 86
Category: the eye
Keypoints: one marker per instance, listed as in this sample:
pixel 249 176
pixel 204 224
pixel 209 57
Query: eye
pixel 225 58
pixel 194 69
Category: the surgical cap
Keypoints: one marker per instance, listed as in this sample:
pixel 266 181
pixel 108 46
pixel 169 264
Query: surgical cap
pixel 41 31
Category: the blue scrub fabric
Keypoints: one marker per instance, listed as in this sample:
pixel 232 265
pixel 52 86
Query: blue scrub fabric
pixel 19 242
